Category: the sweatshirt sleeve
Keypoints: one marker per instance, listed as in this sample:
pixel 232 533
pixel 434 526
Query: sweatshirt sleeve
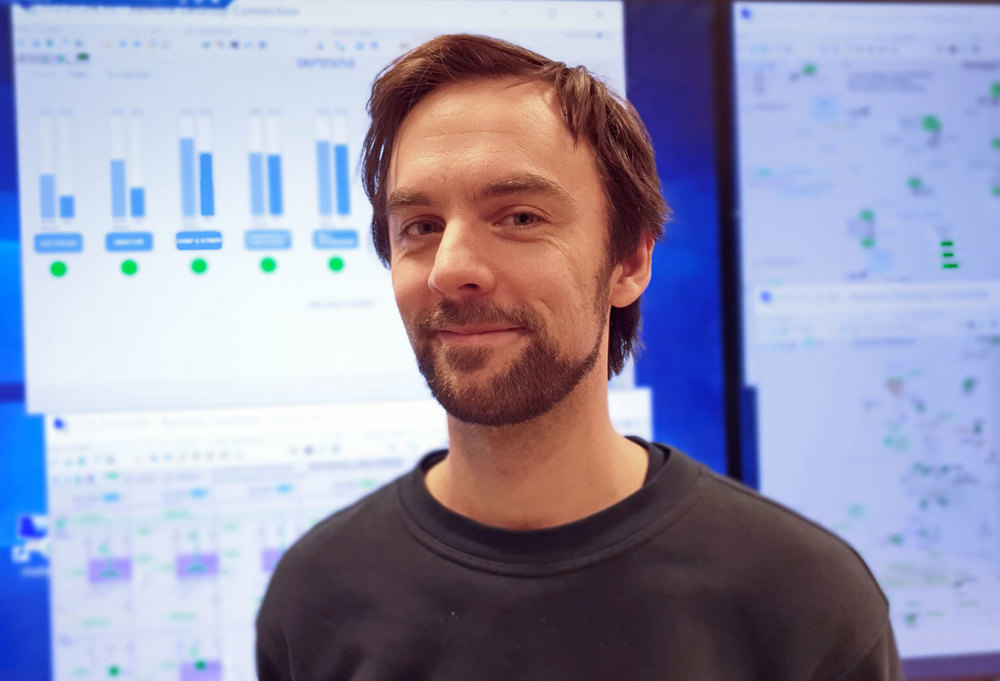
pixel 270 667
pixel 881 663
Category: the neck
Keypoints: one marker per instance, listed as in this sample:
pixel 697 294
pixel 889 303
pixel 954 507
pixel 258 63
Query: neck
pixel 562 466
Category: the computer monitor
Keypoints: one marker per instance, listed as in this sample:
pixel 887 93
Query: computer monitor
pixel 201 356
pixel 867 177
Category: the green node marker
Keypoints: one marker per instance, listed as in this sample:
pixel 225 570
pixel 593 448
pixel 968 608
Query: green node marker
pixel 915 183
pixel 996 190
pixel 809 69
pixel 868 242
pixel 199 266
pixel 58 268
pixel 336 263
pixel 200 665
pixel 114 670
pixel 995 143
pixel 268 264
pixel 130 267
pixel 932 123
pixel 995 90
pixel 867 215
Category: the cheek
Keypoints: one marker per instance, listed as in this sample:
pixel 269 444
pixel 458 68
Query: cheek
pixel 407 288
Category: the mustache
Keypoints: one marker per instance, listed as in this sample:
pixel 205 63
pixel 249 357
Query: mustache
pixel 451 313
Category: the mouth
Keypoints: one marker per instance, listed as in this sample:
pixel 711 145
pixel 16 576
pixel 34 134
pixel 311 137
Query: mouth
pixel 477 335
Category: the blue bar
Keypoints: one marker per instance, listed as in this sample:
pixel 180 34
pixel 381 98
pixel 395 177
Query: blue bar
pixel 60 242
pixel 343 180
pixel 324 177
pixel 338 239
pixel 67 206
pixel 256 183
pixel 118 188
pixel 137 201
pixel 187 176
pixel 267 239
pixel 205 177
pixel 199 241
pixel 47 191
pixel 128 241
pixel 274 183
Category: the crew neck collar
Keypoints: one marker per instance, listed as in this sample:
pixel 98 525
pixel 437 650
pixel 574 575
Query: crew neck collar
pixel 596 537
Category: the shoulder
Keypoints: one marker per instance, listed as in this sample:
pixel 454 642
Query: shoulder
pixel 796 585
pixel 337 540
pixel 781 542
pixel 341 545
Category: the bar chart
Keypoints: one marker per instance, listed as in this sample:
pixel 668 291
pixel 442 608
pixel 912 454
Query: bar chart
pixel 332 168
pixel 128 190
pixel 55 181
pixel 196 165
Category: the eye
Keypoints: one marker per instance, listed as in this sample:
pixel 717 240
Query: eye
pixel 521 218
pixel 420 228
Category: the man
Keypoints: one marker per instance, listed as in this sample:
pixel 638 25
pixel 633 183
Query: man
pixel 516 201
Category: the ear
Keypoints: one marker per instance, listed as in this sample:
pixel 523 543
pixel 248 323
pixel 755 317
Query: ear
pixel 631 276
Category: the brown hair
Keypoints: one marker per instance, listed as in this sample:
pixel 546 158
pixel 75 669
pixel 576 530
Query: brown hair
pixel 592 112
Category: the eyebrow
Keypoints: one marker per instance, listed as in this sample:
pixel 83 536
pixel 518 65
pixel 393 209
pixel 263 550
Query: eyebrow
pixel 521 183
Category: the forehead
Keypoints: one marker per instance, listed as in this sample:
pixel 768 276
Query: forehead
pixel 477 130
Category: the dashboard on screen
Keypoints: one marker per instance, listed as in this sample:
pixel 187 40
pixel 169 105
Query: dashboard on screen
pixel 868 175
pixel 207 331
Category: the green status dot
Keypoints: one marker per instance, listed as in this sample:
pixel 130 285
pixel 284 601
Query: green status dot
pixel 130 267
pixel 995 90
pixel 114 670
pixel 915 183
pixel 868 242
pixel 995 143
pixel 867 215
pixel 336 263
pixel 268 264
pixel 809 69
pixel 932 124
pixel 996 190
pixel 200 665
pixel 58 268
pixel 198 265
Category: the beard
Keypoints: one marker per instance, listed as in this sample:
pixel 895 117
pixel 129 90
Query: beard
pixel 531 385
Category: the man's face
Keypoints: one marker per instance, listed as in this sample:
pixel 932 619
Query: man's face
pixel 498 232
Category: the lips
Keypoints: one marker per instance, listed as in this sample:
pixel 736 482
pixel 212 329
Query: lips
pixel 476 335
pixel 472 330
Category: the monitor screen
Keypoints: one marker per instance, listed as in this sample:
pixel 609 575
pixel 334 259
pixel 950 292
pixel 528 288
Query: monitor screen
pixel 868 193
pixel 200 356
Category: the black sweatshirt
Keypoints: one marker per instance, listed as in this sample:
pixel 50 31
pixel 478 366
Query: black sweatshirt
pixel 691 577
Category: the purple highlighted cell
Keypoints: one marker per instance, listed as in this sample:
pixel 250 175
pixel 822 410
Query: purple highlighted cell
pixel 192 565
pixel 269 558
pixel 201 670
pixel 109 570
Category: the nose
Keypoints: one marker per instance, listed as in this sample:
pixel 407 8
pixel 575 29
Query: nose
pixel 462 267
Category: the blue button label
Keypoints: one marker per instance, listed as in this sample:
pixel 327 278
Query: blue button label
pixel 199 241
pixel 335 238
pixel 62 242
pixel 268 239
pixel 128 241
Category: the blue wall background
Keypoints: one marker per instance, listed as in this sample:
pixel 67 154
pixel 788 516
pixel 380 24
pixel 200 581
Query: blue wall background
pixel 670 60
